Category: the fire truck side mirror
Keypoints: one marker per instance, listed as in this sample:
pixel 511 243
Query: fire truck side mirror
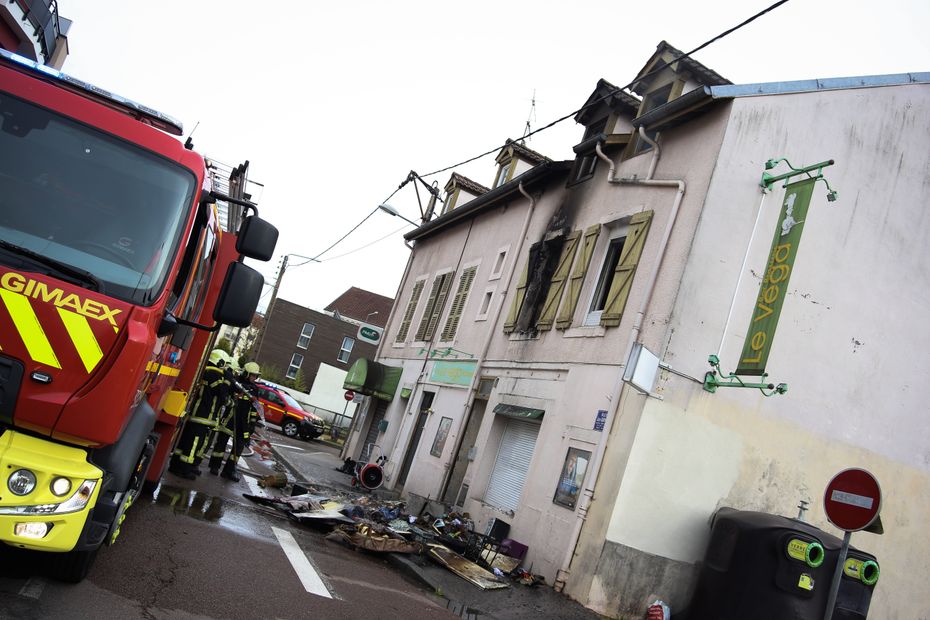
pixel 257 238
pixel 239 295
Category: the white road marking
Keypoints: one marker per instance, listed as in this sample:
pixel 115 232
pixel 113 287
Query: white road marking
pixel 33 588
pixel 305 572
pixel 282 445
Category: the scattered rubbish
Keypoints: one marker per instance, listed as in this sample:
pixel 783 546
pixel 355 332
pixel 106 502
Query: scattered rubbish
pixel 274 481
pixel 658 611
pixel 499 561
pixel 372 538
pixel 466 569
pixel 498 572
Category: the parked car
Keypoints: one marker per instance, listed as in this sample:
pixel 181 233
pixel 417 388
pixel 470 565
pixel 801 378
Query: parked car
pixel 282 410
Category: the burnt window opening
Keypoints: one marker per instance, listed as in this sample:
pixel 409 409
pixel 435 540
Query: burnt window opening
pixel 542 263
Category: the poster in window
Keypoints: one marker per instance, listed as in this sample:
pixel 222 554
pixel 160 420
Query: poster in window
pixel 441 434
pixel 572 477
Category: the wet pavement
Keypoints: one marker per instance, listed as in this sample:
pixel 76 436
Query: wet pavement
pixel 200 549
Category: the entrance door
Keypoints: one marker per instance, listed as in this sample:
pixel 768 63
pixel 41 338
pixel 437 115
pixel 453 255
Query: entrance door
pixel 425 403
pixel 374 429
pixel 461 458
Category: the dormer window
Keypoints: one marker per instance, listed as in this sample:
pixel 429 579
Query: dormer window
pixel 449 203
pixel 504 172
pixel 651 101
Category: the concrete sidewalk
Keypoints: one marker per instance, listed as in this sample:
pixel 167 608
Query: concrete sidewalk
pixel 317 464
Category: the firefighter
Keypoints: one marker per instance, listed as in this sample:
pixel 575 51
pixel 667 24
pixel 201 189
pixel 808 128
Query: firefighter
pixel 237 420
pixel 213 392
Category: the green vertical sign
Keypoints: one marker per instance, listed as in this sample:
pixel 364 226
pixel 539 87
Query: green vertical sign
pixel 774 285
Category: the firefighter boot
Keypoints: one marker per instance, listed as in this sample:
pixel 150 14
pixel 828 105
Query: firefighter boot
pixel 181 469
pixel 229 472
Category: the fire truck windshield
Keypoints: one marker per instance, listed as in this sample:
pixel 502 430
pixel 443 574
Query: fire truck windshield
pixel 89 201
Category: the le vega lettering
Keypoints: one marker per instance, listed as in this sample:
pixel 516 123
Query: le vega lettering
pixel 18 283
pixel 778 271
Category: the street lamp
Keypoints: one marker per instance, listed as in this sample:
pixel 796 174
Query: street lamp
pixel 370 314
pixel 392 211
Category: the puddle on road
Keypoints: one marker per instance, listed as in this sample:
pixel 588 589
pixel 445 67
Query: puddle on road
pixel 204 507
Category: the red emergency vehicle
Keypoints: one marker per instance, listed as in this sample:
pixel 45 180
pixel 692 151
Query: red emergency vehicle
pixel 114 272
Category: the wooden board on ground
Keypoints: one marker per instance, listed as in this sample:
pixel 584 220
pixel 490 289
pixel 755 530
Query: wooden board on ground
pixel 465 569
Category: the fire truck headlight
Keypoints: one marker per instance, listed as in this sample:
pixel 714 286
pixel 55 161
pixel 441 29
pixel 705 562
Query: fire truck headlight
pixel 79 499
pixel 60 486
pixel 21 482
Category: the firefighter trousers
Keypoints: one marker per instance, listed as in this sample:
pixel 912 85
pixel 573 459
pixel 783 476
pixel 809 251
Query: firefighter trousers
pixel 195 434
pixel 235 428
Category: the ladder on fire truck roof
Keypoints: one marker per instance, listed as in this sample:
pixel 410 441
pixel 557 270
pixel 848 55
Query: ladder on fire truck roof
pixel 231 181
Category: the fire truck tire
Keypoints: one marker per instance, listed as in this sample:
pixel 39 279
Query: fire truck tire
pixel 289 428
pixel 72 567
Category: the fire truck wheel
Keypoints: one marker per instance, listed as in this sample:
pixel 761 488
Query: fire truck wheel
pixel 289 428
pixel 102 251
pixel 72 567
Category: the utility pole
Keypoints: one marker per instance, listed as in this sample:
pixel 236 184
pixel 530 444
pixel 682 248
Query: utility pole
pixel 260 340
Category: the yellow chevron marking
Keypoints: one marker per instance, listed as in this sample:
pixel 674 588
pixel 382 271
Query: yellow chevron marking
pixel 29 328
pixel 83 338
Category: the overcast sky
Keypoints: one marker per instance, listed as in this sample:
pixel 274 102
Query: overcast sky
pixel 334 103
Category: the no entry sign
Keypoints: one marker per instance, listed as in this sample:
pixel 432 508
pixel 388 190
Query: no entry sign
pixel 349 395
pixel 853 500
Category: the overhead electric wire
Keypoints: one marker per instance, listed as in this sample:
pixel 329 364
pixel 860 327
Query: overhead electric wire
pixel 613 92
pixel 619 88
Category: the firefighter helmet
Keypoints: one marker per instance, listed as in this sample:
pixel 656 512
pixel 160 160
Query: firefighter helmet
pixel 217 356
pixel 252 368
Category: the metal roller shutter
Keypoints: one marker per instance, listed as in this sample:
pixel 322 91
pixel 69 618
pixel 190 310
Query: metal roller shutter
pixel 512 464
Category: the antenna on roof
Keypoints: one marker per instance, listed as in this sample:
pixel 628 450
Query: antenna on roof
pixel 189 143
pixel 532 117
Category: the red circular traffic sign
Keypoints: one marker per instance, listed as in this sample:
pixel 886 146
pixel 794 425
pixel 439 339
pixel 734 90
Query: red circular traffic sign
pixel 852 500
pixel 350 394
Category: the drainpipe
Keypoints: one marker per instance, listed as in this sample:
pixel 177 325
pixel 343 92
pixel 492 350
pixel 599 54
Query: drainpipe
pixel 403 282
pixel 473 388
pixel 614 402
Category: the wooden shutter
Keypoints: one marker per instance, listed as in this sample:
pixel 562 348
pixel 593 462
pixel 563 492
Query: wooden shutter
pixel 458 304
pixel 626 268
pixel 557 283
pixel 428 310
pixel 518 296
pixel 438 298
pixel 574 284
pixel 411 308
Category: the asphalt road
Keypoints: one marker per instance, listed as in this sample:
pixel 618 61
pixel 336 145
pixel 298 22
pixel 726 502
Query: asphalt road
pixel 198 549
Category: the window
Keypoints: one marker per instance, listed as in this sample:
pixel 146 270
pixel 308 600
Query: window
pixel 575 282
pixel 434 305
pixel 306 333
pixel 651 101
pixel 615 278
pixel 583 168
pixel 458 303
pixel 606 277
pixel 504 172
pixel 108 207
pixel 408 313
pixel 451 196
pixel 296 360
pixel 498 265
pixel 346 351
pixel 485 305
pixel 533 289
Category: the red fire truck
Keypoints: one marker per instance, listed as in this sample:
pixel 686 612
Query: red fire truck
pixel 114 272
